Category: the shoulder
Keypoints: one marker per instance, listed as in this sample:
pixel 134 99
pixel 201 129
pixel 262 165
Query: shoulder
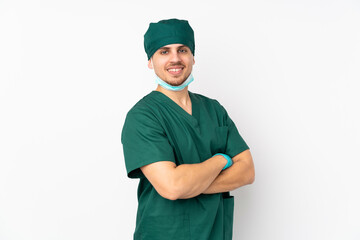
pixel 204 99
pixel 142 108
pixel 140 120
pixel 208 102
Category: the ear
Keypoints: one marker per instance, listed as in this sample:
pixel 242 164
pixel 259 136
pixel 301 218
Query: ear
pixel 193 60
pixel 150 64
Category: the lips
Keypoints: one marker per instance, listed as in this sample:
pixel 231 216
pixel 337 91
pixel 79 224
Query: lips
pixel 175 70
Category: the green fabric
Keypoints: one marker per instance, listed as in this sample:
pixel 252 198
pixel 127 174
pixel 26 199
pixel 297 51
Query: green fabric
pixel 157 129
pixel 167 32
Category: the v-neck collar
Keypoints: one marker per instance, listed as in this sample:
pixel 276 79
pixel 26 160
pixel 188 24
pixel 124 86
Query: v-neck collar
pixel 180 110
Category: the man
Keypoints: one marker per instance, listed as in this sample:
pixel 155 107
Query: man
pixel 183 146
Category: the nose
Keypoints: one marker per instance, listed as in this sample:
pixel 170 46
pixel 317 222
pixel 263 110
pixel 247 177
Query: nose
pixel 175 57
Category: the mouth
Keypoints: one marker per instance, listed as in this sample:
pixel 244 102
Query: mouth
pixel 175 70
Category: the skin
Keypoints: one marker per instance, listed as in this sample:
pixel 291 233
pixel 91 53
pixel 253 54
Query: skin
pixel 174 56
pixel 169 58
pixel 189 180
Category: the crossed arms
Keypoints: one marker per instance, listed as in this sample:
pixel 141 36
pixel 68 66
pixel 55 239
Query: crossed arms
pixel 189 180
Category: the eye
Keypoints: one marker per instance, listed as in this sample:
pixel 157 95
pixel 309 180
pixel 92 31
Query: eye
pixel 162 52
pixel 183 50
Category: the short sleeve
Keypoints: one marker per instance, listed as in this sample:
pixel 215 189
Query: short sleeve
pixel 235 143
pixel 144 142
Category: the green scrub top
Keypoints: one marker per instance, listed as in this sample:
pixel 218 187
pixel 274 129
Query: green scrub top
pixel 157 129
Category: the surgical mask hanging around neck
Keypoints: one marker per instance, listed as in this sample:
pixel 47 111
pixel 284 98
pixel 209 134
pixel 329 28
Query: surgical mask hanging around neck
pixel 175 88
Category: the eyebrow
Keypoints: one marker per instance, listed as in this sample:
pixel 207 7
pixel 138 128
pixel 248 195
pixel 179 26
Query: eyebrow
pixel 167 48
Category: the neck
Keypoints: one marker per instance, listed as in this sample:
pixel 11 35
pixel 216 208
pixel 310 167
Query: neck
pixel 181 96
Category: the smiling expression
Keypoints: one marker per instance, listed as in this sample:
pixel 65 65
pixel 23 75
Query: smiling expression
pixel 172 63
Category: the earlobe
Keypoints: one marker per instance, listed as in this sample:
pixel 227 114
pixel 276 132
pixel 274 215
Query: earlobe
pixel 150 65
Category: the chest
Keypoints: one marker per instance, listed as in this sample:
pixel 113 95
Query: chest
pixel 196 137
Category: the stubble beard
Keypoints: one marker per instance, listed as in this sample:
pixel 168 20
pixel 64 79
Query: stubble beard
pixel 176 78
pixel 177 83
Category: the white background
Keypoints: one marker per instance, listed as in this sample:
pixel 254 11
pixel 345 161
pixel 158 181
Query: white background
pixel 286 71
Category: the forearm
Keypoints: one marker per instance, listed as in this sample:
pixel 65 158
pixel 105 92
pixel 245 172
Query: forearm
pixel 239 174
pixel 193 179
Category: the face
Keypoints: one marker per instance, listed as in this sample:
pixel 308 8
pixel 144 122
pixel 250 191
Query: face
pixel 172 63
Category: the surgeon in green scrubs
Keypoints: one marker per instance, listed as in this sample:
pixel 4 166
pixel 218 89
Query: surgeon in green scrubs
pixel 183 146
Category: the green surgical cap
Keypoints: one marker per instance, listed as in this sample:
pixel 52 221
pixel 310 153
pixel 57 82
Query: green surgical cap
pixel 167 32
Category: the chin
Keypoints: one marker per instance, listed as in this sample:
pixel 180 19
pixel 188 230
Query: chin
pixel 177 83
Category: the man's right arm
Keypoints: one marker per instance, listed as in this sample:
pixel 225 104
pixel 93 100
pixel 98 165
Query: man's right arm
pixel 183 181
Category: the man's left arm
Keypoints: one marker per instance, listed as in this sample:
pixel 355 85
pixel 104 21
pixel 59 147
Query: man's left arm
pixel 241 173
